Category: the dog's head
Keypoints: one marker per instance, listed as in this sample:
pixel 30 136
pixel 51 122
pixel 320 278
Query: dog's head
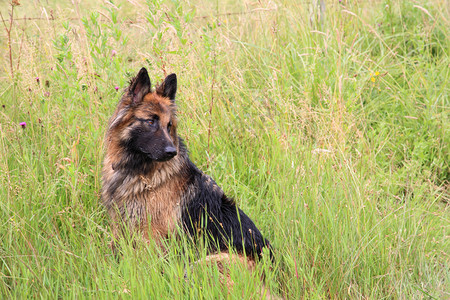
pixel 145 121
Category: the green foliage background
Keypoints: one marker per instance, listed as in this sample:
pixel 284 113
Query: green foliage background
pixel 329 126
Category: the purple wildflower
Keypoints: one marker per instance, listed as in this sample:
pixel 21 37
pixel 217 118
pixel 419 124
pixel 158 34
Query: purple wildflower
pixel 23 124
pixel 113 53
pixel 116 87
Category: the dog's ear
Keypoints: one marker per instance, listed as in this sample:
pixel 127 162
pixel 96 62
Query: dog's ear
pixel 168 87
pixel 139 86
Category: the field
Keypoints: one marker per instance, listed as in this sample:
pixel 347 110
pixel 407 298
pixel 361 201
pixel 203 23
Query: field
pixel 329 125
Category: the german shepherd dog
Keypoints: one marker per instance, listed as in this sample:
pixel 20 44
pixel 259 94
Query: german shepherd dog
pixel 151 186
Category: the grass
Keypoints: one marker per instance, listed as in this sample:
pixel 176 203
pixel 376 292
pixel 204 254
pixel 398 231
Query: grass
pixel 330 129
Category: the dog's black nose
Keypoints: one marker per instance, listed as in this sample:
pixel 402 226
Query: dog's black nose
pixel 170 151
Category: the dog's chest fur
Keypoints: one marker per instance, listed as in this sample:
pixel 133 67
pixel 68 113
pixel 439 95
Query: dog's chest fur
pixel 147 201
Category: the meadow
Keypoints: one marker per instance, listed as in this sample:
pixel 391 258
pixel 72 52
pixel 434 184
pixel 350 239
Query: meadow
pixel 328 124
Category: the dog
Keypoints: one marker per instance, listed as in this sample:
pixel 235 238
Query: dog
pixel 150 186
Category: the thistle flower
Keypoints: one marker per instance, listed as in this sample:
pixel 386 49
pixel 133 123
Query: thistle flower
pixel 113 53
pixel 23 124
pixel 116 87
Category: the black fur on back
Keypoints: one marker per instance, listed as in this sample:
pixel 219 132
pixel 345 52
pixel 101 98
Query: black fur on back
pixel 214 217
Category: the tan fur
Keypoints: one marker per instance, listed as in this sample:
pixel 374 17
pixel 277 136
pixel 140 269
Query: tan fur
pixel 222 260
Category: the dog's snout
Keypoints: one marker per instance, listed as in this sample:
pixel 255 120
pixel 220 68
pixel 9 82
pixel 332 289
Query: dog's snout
pixel 170 151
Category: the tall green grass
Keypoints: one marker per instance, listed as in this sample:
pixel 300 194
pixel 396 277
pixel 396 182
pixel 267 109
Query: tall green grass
pixel 329 127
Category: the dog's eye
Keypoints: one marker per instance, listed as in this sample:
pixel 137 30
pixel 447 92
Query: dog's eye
pixel 169 126
pixel 150 121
